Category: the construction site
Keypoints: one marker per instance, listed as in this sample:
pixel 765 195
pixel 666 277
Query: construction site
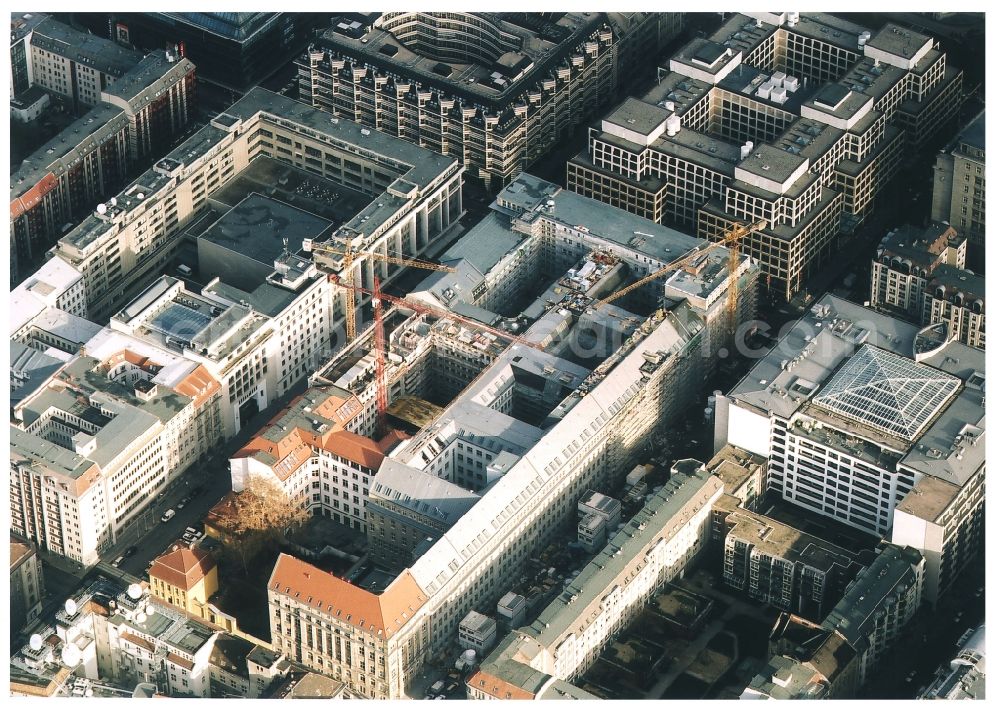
pixel 534 362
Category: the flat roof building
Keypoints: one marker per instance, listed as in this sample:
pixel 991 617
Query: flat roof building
pixel 494 90
pixel 868 420
pixel 795 120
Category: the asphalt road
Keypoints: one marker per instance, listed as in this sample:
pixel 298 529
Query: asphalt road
pixel 150 535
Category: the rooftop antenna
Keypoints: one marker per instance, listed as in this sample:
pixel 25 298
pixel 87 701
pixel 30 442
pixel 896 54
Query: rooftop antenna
pixel 35 642
pixel 70 655
pixel 70 607
pixel 135 591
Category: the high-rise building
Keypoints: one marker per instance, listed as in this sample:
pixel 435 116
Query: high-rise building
pixel 956 298
pixel 494 90
pixel 965 676
pixel 796 119
pixel 960 186
pixel 876 423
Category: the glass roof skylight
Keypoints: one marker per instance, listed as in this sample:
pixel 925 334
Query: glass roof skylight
pixel 887 392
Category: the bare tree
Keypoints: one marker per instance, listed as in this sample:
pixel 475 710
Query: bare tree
pixel 257 516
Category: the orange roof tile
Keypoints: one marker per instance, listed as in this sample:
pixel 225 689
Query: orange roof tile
pixel 338 599
pixel 493 686
pixel 183 568
pixel 180 661
pixel 28 200
pixel 199 385
pixel 354 447
pixel 138 641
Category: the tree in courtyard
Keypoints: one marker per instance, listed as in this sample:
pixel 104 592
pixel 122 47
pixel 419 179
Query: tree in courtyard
pixel 259 515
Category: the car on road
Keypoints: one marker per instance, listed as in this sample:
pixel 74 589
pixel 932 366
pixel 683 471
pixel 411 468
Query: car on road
pixel 129 552
pixel 117 561
pixel 910 676
pixel 168 515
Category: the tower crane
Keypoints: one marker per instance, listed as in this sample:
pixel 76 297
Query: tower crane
pixel 378 298
pixel 731 239
pixel 349 256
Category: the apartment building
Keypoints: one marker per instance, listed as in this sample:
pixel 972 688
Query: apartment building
pixel 96 444
pixel 133 120
pixel 76 65
pixel 960 186
pixel 860 415
pixel 27 583
pixel 905 259
pixel 494 90
pixel 796 119
pixel 313 453
pixel 877 606
pixel 130 239
pixel 957 298
pixel 784 567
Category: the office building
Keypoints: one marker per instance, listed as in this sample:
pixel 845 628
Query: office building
pixel 960 187
pixel 796 119
pixel 76 65
pixel 94 446
pixel 235 50
pixel 904 261
pixel 133 120
pixel 415 195
pixel 877 606
pixel 27 583
pixel 494 90
pixel 965 676
pixel 784 567
pixel 873 422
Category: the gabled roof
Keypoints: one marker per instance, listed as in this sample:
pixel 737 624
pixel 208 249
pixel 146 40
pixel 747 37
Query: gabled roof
pixel 381 615
pixel 183 568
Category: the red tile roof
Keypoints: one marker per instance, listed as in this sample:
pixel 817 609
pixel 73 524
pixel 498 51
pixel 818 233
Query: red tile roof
pixel 338 599
pixel 183 568
pixel 493 686
pixel 138 641
pixel 32 196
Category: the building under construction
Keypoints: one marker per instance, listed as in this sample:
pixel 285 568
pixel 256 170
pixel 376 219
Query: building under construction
pixel 551 373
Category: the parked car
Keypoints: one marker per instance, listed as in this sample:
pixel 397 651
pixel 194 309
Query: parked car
pixel 130 551
pixel 117 561
pixel 168 515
